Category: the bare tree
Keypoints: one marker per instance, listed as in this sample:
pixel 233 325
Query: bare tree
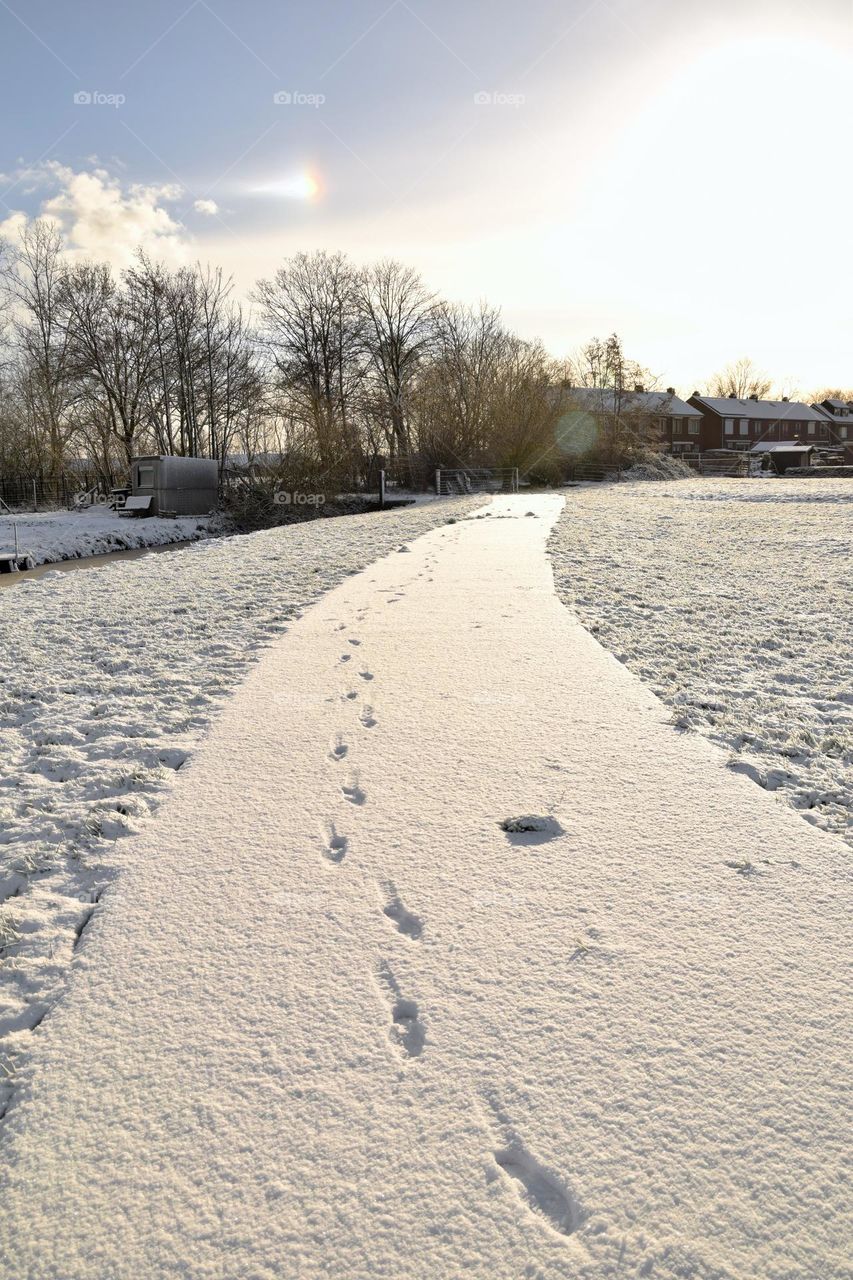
pixel 844 394
pixel 739 380
pixel 33 275
pixel 397 331
pixel 454 392
pixel 615 387
pixel 311 328
pixel 110 356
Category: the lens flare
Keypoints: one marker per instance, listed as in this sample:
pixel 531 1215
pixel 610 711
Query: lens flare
pixel 303 185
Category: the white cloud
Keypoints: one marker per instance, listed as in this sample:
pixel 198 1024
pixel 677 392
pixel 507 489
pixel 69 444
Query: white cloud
pixel 11 227
pixel 101 218
pixel 208 207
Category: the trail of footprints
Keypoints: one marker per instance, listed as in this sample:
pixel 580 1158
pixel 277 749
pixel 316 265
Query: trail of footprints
pixel 540 1191
pixel 406 1029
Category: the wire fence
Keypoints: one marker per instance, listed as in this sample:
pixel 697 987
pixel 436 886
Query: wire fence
pixel 452 481
pixel 705 464
pixel 45 493
pixel 593 471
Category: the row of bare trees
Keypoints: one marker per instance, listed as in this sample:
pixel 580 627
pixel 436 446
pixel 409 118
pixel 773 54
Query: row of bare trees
pixel 102 368
pixel 369 364
pixel 340 366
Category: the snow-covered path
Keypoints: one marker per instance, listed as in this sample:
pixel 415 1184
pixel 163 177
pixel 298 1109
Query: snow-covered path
pixel 333 1020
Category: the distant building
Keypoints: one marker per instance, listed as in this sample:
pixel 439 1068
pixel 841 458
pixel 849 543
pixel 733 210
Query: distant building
pixel 659 419
pixel 838 417
pixel 730 423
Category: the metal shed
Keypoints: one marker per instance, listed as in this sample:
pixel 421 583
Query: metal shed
pixel 784 454
pixel 165 485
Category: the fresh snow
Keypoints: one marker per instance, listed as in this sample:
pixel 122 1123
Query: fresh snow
pixel 52 536
pixel 110 678
pixel 332 1019
pixel 732 599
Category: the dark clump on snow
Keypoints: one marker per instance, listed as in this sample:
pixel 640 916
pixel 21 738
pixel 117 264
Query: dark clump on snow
pixel 531 828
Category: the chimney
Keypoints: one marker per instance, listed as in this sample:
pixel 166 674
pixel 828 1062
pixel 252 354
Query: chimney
pixel 784 399
pixel 753 397
pixel 670 391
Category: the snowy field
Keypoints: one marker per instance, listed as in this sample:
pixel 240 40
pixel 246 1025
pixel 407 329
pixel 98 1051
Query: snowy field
pixel 446 956
pixel 52 536
pixel 110 677
pixel 733 601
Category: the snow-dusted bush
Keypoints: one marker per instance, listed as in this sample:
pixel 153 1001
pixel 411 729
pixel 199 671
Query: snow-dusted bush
pixel 658 466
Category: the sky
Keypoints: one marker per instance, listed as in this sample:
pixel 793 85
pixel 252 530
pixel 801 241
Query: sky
pixel 676 171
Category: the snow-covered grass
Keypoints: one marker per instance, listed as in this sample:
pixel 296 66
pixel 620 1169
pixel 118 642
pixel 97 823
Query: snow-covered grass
pixel 109 679
pixel 52 536
pixel 732 600
pixel 447 957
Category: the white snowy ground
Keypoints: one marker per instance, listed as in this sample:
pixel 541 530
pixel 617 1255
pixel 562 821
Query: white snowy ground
pixel 332 1020
pixel 52 536
pixel 733 600
pixel 109 679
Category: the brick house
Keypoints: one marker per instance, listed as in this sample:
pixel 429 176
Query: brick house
pixel 729 423
pixel 660 419
pixel 838 415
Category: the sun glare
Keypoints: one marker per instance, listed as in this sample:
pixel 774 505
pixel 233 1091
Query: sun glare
pixel 301 185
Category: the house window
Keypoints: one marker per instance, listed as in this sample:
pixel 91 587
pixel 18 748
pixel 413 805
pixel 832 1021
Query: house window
pixel 811 428
pixel 693 428
pixel 730 427
pixel 842 431
pixel 145 477
pixel 744 427
pixel 677 426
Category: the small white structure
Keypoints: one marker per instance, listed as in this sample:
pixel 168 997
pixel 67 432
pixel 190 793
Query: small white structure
pixel 166 485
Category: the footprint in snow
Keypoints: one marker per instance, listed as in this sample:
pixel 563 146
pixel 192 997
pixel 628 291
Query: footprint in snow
pixel 367 718
pixel 356 642
pixel 352 791
pixel 366 675
pixel 406 921
pixel 337 748
pixel 334 846
pixel 540 1190
pixel 407 1031
pixel 346 657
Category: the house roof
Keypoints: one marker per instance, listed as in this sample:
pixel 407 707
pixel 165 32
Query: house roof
pixel 760 410
pixel 839 411
pixel 783 446
pixel 659 403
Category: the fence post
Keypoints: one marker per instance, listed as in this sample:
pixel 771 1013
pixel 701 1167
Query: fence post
pixel 35 498
pixel 381 490
pixel 438 483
